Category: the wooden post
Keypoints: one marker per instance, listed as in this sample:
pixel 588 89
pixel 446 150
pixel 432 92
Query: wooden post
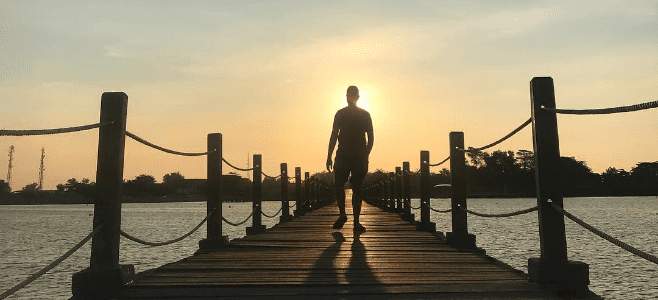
pixel 382 199
pixel 553 266
pixel 398 190
pixel 425 224
pixel 459 236
pixel 313 193
pixel 390 203
pixel 214 240
pixel 307 191
pixel 285 206
pixel 299 207
pixel 257 226
pixel 105 276
pixel 407 192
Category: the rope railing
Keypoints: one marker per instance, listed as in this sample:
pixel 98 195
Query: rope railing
pixel 239 223
pixel 515 131
pixel 516 213
pixel 620 244
pixel 156 244
pixel 270 177
pixel 602 111
pixel 272 216
pixel 442 162
pixel 47 268
pixel 138 139
pixel 52 131
pixel 234 167
pixel 437 210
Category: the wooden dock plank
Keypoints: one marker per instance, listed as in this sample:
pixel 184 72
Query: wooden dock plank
pixel 306 257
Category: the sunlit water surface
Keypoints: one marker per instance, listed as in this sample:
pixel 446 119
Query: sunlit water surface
pixel 33 236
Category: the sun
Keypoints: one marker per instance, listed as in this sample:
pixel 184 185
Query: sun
pixel 363 102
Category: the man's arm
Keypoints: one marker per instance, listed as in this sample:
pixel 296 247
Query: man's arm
pixel 332 145
pixel 371 136
pixel 371 141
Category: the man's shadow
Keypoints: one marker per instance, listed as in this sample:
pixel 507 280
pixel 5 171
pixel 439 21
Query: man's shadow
pixel 359 274
pixel 323 271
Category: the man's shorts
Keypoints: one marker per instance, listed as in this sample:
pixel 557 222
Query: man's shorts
pixel 343 167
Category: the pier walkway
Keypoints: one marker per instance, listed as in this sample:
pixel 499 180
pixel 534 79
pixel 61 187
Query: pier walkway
pixel 306 258
pixel 399 257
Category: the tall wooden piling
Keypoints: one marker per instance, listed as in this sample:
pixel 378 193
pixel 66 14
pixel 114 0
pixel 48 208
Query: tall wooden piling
pixel 256 197
pixel 105 276
pixel 459 236
pixel 391 191
pixel 285 206
pixel 425 223
pixel 398 190
pixel 552 267
pixel 307 191
pixel 299 207
pixel 214 239
pixel 407 192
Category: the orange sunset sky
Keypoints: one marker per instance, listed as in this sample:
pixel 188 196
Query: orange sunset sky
pixel 270 75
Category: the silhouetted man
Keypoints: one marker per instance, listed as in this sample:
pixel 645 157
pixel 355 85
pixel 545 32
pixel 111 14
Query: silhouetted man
pixel 351 124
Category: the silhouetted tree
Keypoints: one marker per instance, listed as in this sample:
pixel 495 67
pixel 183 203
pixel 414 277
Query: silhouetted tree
pixel 172 182
pixel 4 187
pixel 616 182
pixel 142 185
pixel 644 178
pixel 71 185
pixel 31 188
pixel 577 178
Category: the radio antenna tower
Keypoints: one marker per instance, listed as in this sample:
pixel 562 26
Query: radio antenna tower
pixel 41 168
pixel 11 159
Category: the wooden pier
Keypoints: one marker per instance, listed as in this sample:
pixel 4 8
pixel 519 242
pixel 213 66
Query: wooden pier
pixel 306 258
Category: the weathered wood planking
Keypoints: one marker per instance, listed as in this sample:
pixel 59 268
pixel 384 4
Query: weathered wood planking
pixel 306 257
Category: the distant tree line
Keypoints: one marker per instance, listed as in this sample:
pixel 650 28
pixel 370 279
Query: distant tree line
pixel 510 173
pixel 495 174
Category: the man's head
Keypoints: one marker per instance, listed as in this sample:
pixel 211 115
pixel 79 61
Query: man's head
pixel 352 94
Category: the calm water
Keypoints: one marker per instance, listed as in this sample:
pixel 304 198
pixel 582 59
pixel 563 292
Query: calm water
pixel 33 236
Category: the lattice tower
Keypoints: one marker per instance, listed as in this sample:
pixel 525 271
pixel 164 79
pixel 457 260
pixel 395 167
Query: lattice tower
pixel 11 160
pixel 41 169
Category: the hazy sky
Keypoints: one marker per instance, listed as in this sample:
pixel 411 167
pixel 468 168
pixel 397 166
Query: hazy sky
pixel 270 75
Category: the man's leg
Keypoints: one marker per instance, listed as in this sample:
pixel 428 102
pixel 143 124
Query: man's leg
pixel 340 177
pixel 357 180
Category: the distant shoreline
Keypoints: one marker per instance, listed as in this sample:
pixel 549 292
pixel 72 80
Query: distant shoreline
pixel 74 198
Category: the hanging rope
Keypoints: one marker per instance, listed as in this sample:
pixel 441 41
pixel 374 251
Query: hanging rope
pixel 156 244
pixel 516 213
pixel 443 161
pixel 240 223
pixel 293 205
pixel 607 237
pixel 602 111
pixel 52 131
pixel 138 139
pixel 270 177
pixel 234 167
pixel 436 210
pixel 272 216
pixel 36 275
pixel 526 123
